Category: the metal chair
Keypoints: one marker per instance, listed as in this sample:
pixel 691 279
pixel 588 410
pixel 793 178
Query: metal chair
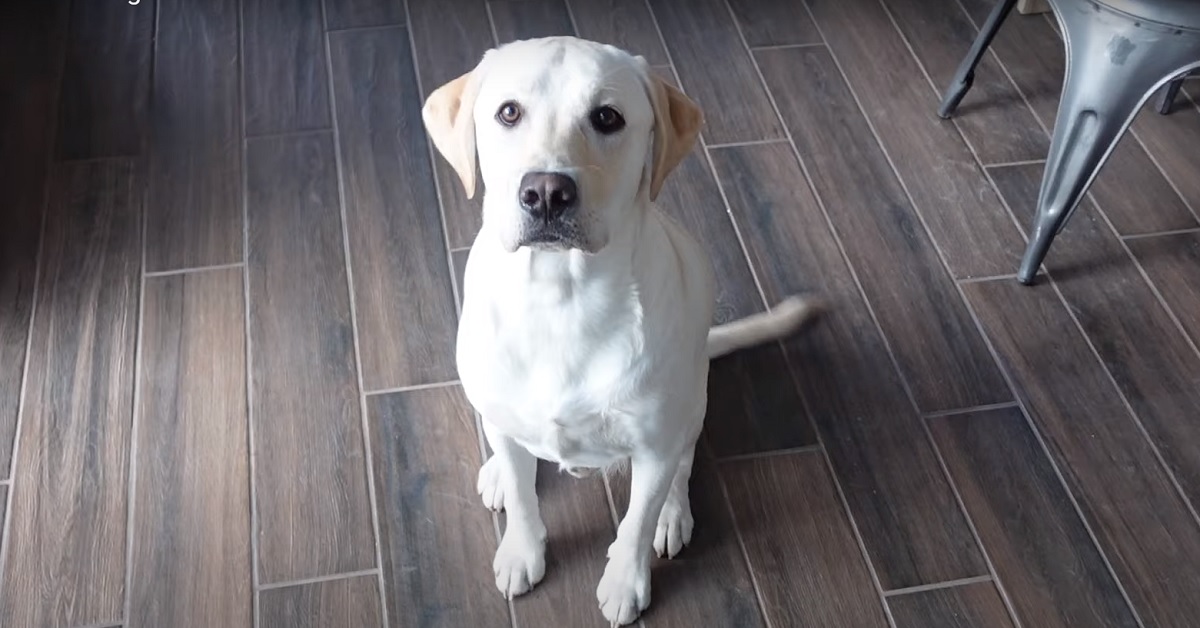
pixel 1118 53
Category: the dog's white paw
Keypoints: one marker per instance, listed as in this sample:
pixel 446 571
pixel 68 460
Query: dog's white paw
pixel 520 563
pixel 489 487
pixel 624 591
pixel 674 529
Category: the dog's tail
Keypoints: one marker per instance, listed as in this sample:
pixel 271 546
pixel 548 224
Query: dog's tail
pixel 783 320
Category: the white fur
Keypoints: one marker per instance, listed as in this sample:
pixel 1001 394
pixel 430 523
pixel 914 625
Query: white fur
pixel 596 354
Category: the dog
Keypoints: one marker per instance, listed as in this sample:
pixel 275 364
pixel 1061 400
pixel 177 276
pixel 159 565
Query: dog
pixel 585 335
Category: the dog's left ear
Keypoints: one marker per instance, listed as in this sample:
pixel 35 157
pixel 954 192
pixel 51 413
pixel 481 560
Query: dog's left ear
pixel 449 119
pixel 677 121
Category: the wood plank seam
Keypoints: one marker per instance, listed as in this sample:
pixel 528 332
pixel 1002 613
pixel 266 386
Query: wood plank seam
pixel 364 417
pixel 255 568
pixel 938 585
pixel 1054 464
pixel 319 579
pixel 845 504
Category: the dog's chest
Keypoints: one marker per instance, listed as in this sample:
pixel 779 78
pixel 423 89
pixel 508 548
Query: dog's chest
pixel 559 385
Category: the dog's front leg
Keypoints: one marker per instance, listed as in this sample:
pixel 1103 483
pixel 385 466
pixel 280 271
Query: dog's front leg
pixel 624 590
pixel 507 481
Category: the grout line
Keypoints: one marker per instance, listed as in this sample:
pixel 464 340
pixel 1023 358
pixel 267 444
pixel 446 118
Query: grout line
pixel 135 421
pixel 191 269
pixel 256 611
pixel 460 249
pixel 773 453
pixel 359 29
pixel 1049 457
pixel 143 170
pixel 973 410
pixel 946 268
pixel 780 140
pixel 52 143
pixel 319 579
pixel 364 413
pixel 1012 164
pixel 1159 234
pixel 403 389
pixel 286 134
pixel 454 287
pixel 830 469
pixel 969 280
pixel 814 44
pixel 6 482
pixel 921 588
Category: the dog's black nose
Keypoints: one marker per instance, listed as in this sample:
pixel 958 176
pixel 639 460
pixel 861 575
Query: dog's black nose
pixel 547 195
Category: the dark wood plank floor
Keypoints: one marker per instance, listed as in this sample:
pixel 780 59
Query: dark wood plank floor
pixel 229 275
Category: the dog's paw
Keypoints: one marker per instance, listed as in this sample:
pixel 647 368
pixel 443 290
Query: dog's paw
pixel 674 529
pixel 489 487
pixel 520 563
pixel 624 591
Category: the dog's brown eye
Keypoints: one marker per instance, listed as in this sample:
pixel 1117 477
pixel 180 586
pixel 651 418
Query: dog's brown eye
pixel 607 120
pixel 509 113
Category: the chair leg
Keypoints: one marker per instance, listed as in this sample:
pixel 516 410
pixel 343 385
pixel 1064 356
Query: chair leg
pixel 1103 91
pixel 1168 96
pixel 965 76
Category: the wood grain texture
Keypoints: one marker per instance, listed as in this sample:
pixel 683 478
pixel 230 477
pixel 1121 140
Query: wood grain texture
pixel 313 510
pixel 992 117
pixel 360 13
pixel 949 189
pixel 774 23
pixel 66 545
pixel 450 37
pixel 286 88
pixel 809 568
pixel 708 584
pixel 938 347
pixel 1140 520
pixel 1040 548
pixel 753 403
pixel 967 606
pixel 716 70
pixel 194 215
pixel 191 522
pixel 530 19
pixel 904 509
pixel 437 538
pixel 626 24
pixel 1167 139
pixel 1173 263
pixel 31 52
pixel 1132 332
pixel 404 298
pixel 1129 189
pixel 342 603
pixel 106 81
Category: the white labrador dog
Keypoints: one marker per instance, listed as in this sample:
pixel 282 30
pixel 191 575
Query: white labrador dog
pixel 585 333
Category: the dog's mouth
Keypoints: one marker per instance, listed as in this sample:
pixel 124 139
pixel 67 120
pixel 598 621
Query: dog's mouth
pixel 554 236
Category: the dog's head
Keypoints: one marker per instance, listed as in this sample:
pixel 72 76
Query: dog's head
pixel 567 134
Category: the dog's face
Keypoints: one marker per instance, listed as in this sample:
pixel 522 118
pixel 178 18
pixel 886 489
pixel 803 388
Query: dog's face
pixel 567 134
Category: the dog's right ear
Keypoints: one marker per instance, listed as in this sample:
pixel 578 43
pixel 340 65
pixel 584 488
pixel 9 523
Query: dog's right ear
pixel 449 119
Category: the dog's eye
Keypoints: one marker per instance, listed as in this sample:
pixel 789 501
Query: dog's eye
pixel 607 120
pixel 508 113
